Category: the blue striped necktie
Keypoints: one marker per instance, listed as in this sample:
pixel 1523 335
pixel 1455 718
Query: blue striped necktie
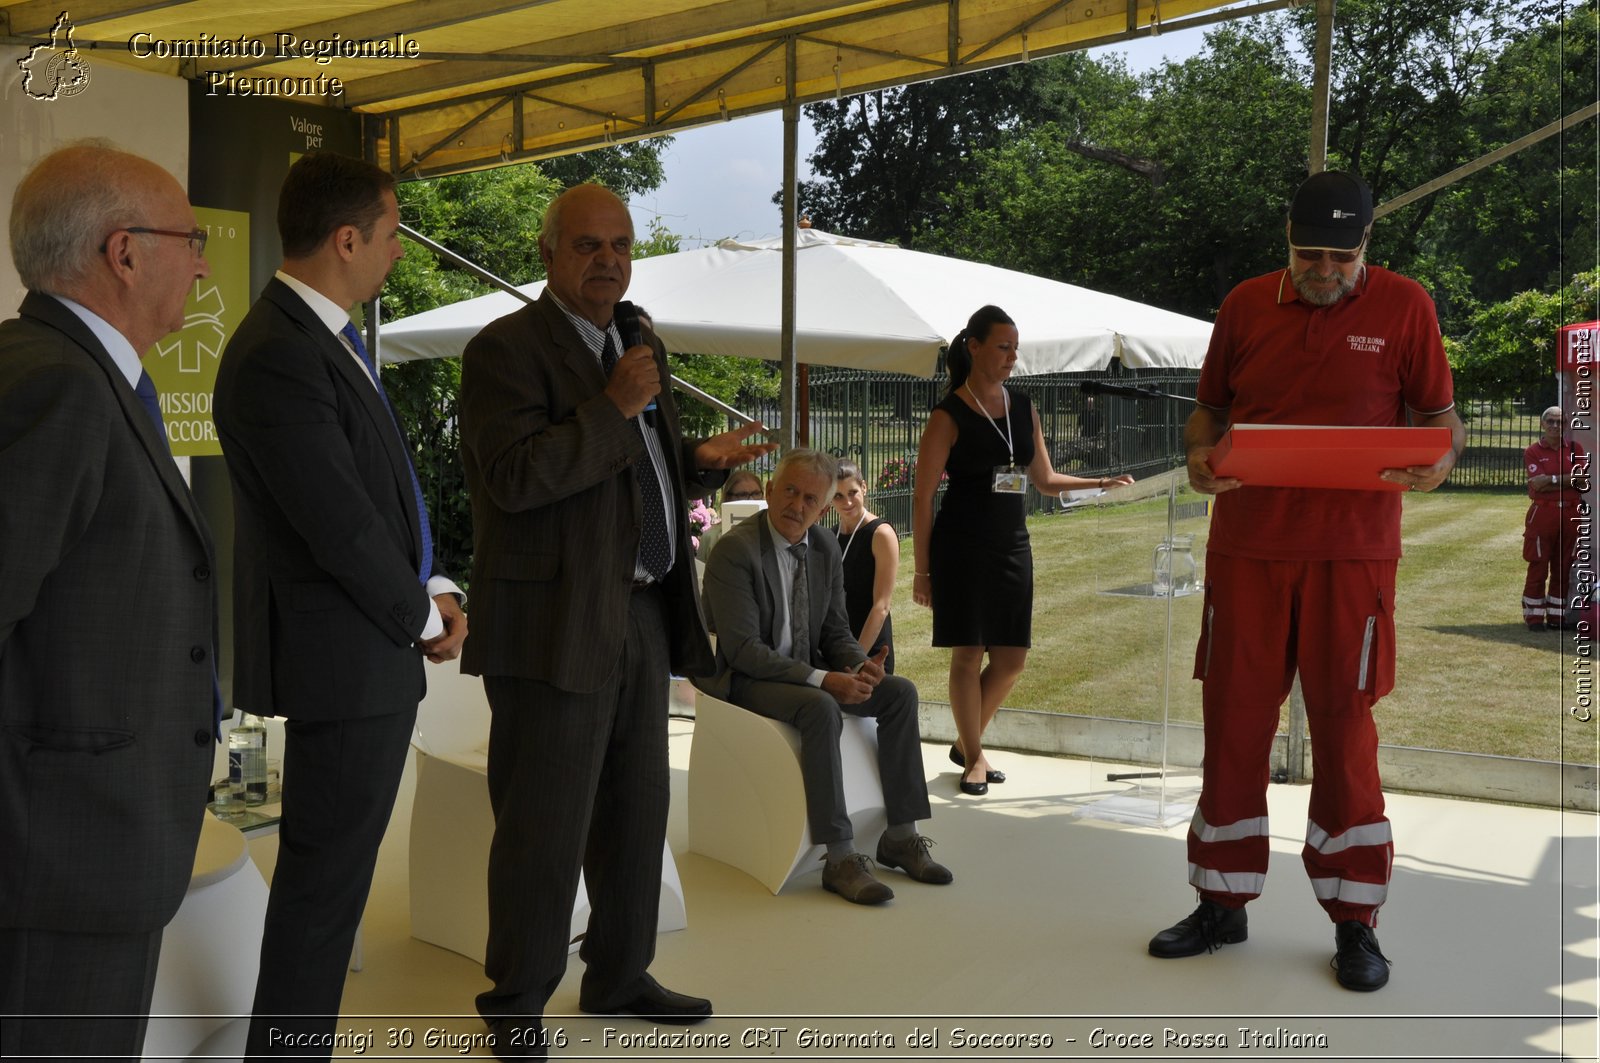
pixel 425 563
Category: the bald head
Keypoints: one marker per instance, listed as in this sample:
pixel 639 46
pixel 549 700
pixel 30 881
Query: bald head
pixel 71 200
pixel 587 246
pixel 72 223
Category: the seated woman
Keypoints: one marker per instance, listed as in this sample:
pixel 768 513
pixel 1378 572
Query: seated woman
pixel 742 486
pixel 870 564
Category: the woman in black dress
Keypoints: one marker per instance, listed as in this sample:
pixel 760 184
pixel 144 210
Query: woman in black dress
pixel 973 562
pixel 871 554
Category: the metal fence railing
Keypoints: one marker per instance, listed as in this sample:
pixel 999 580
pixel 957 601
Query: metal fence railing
pixel 876 421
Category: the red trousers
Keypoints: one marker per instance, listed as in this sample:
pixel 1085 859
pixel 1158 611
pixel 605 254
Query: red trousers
pixel 1334 622
pixel 1548 542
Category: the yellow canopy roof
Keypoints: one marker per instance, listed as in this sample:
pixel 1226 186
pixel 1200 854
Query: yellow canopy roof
pixel 464 84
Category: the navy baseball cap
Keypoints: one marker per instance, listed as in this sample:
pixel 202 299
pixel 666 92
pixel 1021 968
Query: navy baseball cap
pixel 1331 210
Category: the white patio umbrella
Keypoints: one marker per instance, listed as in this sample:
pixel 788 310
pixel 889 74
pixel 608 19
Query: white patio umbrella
pixel 860 304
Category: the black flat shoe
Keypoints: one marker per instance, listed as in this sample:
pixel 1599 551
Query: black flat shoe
pixel 959 761
pixel 976 789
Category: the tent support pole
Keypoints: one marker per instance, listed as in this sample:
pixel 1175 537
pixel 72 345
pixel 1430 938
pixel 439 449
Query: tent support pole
pixel 1321 76
pixel 786 349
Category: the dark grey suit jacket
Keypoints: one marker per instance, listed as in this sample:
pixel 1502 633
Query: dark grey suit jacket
pixel 107 626
pixel 327 596
pixel 742 592
pixel 556 512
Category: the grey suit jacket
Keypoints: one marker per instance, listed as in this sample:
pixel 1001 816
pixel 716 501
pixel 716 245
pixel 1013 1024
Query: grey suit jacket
pixel 556 512
pixel 742 592
pixel 107 627
pixel 328 599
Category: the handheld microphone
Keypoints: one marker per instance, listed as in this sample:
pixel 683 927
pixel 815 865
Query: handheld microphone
pixel 627 318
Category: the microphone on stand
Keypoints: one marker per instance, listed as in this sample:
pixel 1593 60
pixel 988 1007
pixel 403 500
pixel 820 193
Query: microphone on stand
pixel 627 318
pixel 1100 387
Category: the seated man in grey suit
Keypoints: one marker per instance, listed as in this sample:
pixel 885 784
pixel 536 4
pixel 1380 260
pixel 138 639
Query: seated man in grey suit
pixel 774 595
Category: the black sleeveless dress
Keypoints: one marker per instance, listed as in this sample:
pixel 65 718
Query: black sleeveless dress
pixel 979 560
pixel 860 570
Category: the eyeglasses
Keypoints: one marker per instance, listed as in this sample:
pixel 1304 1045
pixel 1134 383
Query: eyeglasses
pixel 196 237
pixel 1344 258
pixel 742 496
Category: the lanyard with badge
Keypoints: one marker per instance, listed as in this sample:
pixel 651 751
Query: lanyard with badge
pixel 1011 478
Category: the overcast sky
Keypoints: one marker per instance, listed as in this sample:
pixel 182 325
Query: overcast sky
pixel 721 177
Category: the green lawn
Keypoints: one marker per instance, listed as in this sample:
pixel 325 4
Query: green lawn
pixel 1470 676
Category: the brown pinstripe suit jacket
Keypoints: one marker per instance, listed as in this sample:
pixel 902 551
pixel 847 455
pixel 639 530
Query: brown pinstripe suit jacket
pixel 556 508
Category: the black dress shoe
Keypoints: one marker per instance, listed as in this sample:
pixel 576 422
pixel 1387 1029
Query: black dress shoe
pixel 517 1038
pixel 656 1003
pixel 1206 927
pixel 976 789
pixel 1358 964
pixel 959 761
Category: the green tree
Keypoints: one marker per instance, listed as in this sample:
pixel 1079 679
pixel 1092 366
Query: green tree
pixel 1530 220
pixel 885 159
pixel 1169 191
pixel 1510 350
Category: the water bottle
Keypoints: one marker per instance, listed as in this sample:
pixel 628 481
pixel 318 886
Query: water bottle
pixel 247 758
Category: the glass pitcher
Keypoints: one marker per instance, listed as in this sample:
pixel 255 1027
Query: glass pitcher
pixel 1172 568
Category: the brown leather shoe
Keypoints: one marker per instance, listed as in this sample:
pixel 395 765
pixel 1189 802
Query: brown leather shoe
pixel 851 878
pixel 911 856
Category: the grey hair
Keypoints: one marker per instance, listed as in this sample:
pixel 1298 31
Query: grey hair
pixel 814 462
pixel 65 207
pixel 550 227
pixel 1554 409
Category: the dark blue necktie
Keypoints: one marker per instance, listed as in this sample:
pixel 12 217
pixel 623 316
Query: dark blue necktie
pixel 145 388
pixel 655 549
pixel 426 563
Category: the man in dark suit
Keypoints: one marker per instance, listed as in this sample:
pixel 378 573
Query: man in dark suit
pixel 583 587
pixel 774 595
pixel 107 608
pixel 337 594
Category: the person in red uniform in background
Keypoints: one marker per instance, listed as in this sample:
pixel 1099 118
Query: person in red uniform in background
pixel 1556 471
pixel 1302 578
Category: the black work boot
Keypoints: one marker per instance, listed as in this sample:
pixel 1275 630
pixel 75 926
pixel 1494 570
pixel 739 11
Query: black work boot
pixel 1207 927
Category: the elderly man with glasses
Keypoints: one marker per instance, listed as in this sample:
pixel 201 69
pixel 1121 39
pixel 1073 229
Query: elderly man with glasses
pixel 1558 472
pixel 1302 579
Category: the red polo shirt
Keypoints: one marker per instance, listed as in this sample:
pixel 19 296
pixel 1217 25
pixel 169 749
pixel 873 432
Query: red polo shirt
pixel 1544 460
pixel 1275 359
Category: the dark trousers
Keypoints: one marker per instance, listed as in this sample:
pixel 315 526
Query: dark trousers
pixel 819 718
pixel 578 782
pixel 340 779
pixel 76 996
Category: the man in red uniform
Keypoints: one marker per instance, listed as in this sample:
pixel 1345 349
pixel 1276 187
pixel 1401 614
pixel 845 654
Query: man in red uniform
pixel 1555 472
pixel 1301 578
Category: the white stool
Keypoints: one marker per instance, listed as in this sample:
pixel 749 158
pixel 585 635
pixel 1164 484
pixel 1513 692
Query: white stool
pixel 747 802
pixel 452 825
pixel 206 978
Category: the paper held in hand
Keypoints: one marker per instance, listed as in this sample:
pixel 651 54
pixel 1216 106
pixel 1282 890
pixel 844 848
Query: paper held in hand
pixel 1330 456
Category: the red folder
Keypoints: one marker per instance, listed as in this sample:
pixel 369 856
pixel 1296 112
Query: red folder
pixel 1299 455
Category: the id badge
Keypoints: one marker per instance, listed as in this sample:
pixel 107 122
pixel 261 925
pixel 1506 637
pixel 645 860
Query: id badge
pixel 1010 480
